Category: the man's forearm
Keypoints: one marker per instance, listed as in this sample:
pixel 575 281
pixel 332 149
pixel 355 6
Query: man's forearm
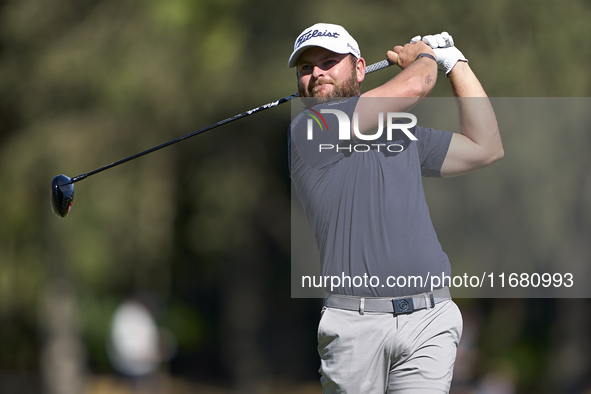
pixel 416 80
pixel 404 91
pixel 464 82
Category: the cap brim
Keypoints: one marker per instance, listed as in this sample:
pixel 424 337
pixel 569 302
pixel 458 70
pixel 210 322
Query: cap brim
pixel 293 59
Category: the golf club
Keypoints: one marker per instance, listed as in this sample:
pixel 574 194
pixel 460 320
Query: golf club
pixel 62 187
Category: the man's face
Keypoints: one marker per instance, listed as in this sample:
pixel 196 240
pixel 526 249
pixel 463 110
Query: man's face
pixel 323 73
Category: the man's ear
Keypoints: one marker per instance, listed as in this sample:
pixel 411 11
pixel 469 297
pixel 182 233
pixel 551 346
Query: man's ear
pixel 360 69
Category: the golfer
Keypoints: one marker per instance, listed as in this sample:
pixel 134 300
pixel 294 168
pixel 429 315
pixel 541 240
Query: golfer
pixel 362 193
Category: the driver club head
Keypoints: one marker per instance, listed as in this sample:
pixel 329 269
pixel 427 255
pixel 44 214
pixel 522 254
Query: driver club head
pixel 62 195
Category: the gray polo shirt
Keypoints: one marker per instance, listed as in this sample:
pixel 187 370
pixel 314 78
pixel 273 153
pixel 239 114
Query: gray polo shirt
pixel 367 209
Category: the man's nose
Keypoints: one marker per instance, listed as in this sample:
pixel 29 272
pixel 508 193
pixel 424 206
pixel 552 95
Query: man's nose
pixel 317 72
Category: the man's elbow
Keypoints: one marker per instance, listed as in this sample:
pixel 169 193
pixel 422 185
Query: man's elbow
pixel 500 154
pixel 494 155
pixel 418 87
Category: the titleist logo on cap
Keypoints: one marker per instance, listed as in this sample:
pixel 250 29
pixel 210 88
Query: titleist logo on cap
pixel 325 35
pixel 316 33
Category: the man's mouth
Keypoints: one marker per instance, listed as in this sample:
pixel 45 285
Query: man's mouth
pixel 319 87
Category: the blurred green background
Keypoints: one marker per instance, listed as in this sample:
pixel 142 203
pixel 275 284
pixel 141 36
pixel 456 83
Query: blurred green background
pixel 203 226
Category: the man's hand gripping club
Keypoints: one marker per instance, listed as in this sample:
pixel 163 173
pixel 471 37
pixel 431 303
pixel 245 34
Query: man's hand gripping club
pixel 446 54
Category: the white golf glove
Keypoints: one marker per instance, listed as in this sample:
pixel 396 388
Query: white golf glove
pixel 446 54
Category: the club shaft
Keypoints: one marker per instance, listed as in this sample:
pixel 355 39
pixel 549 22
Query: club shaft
pixel 369 69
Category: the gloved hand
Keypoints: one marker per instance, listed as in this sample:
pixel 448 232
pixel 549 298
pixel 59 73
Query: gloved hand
pixel 446 54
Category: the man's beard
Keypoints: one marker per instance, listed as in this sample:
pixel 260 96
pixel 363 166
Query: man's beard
pixel 348 88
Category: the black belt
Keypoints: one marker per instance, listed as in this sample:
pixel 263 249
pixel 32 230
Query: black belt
pixel 395 305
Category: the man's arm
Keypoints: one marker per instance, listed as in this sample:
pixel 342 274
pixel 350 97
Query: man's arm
pixel 404 91
pixel 479 143
pixel 416 79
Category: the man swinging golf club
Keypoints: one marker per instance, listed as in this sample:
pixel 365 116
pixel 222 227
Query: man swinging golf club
pixel 368 212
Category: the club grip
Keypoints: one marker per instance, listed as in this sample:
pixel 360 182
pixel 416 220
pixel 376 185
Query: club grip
pixel 377 66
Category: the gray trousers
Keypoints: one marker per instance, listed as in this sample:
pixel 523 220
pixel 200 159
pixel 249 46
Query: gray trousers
pixel 383 353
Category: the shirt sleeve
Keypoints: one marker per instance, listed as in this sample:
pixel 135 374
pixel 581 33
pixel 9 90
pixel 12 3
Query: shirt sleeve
pixel 326 134
pixel 432 146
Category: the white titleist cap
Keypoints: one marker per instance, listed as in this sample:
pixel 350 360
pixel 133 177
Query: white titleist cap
pixel 332 37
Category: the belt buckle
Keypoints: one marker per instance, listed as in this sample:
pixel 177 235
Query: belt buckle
pixel 403 305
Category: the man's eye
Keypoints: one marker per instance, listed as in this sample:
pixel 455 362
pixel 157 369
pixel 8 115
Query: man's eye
pixel 305 68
